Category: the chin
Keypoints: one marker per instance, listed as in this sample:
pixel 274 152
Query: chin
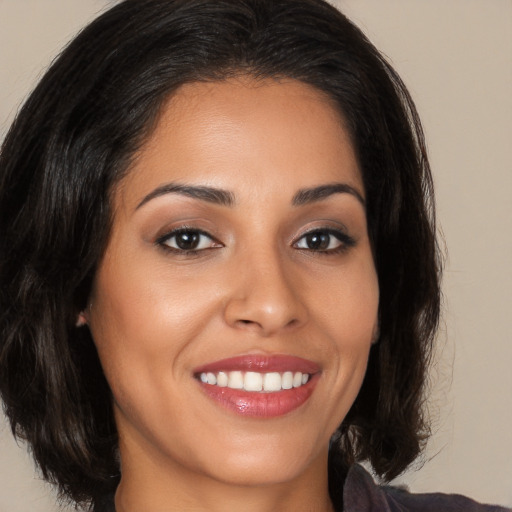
pixel 268 462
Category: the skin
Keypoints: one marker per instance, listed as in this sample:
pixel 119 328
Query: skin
pixel 255 287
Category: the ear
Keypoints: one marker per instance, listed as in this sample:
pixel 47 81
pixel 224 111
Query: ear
pixel 81 319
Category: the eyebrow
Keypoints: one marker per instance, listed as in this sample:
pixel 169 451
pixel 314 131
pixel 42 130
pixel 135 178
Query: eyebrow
pixel 225 198
pixel 208 194
pixel 311 195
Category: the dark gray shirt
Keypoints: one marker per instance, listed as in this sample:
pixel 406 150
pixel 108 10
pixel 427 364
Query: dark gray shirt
pixel 362 494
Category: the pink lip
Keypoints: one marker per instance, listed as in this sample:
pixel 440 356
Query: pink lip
pixel 261 405
pixel 261 363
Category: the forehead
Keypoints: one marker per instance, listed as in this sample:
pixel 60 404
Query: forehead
pixel 222 133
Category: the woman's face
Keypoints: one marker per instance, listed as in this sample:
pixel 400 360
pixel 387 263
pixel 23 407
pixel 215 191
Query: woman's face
pixel 236 303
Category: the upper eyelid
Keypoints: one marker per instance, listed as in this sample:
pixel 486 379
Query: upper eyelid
pixel 183 229
pixel 338 230
pixel 344 237
pixel 329 229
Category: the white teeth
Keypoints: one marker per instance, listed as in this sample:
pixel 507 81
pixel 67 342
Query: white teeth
pixel 254 381
pixel 272 381
pixel 287 382
pixel 235 380
pixel 297 379
pixel 222 379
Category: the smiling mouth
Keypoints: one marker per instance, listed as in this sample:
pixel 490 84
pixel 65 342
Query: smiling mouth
pixel 271 382
pixel 258 385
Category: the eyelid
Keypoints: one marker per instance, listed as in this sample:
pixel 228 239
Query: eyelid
pixel 162 239
pixel 341 234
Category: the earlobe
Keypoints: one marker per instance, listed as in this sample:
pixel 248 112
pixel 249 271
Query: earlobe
pixel 81 319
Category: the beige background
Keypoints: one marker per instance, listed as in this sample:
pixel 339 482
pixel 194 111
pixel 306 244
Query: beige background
pixel 456 57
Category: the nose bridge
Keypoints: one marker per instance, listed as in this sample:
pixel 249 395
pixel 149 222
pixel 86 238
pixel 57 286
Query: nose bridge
pixel 264 296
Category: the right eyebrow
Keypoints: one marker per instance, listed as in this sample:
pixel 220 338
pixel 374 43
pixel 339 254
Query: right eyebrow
pixel 311 195
pixel 203 193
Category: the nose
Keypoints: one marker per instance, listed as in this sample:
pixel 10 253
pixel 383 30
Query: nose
pixel 265 295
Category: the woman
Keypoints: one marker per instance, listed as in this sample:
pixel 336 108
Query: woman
pixel 219 270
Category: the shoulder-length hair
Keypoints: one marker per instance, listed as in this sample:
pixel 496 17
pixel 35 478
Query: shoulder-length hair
pixel 73 141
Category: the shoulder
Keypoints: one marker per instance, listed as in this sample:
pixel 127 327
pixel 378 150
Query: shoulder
pixel 362 494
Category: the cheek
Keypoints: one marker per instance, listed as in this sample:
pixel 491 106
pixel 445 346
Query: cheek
pixel 139 334
pixel 136 297
pixel 143 318
pixel 348 313
pixel 348 304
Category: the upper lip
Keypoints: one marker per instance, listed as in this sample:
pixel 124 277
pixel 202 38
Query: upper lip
pixel 260 363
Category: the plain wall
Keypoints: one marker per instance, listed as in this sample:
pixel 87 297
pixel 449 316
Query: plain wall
pixel 456 58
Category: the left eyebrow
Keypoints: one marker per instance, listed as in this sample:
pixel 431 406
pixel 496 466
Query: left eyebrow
pixel 208 194
pixel 311 195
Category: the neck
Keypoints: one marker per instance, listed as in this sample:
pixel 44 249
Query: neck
pixel 149 482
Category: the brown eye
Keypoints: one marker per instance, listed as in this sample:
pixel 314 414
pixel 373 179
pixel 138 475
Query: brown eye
pixel 188 240
pixel 325 240
pixel 318 241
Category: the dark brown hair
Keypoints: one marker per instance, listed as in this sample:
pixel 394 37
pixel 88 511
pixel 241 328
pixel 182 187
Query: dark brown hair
pixel 72 142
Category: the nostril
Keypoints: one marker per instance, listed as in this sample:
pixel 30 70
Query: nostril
pixel 257 314
pixel 248 324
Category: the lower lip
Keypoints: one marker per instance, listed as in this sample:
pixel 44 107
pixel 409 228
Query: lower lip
pixel 261 405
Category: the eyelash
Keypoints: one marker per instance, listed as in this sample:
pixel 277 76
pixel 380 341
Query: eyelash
pixel 346 241
pixel 163 240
